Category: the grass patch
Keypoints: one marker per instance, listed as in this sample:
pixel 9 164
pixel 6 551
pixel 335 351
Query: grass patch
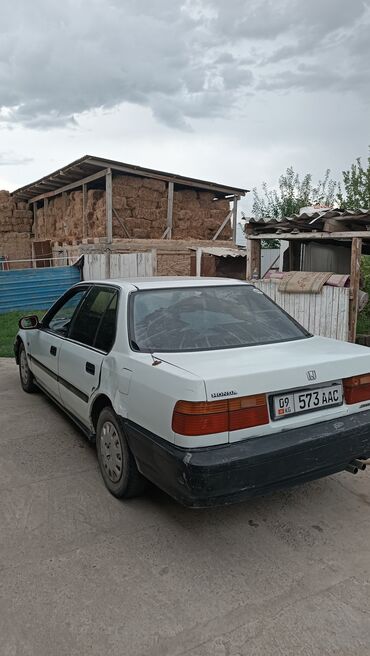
pixel 9 329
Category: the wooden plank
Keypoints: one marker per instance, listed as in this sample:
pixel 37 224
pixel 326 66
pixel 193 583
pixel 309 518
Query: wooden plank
pixel 355 284
pixel 224 222
pixel 198 262
pixel 107 273
pixel 46 216
pixel 170 210
pixel 253 259
pixel 288 236
pixel 154 262
pixel 35 226
pixel 132 265
pixel 69 187
pixel 109 205
pixel 344 315
pixel 322 320
pixel 149 264
pixel 235 217
pixel 120 221
pixel 84 211
pixel 316 323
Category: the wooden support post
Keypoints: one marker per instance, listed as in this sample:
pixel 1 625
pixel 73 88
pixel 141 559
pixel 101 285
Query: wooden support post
pixel 170 210
pixel 109 205
pixel 198 262
pixel 35 230
pixel 253 258
pixel 355 285
pixel 64 197
pixel 46 212
pixel 84 211
pixel 235 217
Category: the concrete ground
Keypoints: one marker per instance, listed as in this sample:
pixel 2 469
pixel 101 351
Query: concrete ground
pixel 83 573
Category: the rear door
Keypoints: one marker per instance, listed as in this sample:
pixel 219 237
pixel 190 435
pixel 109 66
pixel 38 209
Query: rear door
pixel 44 345
pixel 90 338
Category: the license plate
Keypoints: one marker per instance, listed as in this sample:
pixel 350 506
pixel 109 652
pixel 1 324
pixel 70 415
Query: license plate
pixel 293 403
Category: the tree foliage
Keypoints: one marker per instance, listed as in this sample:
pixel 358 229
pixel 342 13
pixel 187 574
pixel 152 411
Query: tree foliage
pixel 356 183
pixel 292 194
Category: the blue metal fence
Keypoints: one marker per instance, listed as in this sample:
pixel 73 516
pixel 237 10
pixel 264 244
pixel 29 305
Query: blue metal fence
pixel 27 289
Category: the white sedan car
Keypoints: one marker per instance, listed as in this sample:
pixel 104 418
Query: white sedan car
pixel 203 386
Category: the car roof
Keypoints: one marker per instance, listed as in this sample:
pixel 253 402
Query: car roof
pixel 162 282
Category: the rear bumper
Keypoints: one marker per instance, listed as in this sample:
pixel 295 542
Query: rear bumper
pixel 232 472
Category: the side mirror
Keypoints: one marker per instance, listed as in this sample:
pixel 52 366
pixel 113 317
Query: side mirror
pixel 29 323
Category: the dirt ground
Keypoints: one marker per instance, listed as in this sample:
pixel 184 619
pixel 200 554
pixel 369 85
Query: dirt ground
pixel 83 573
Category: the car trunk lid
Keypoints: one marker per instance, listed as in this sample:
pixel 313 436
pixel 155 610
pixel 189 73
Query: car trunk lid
pixel 272 367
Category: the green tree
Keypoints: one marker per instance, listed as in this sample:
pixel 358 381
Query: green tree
pixel 292 194
pixel 356 182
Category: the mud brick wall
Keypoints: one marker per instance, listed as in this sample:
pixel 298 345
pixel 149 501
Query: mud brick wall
pixel 173 264
pixel 15 229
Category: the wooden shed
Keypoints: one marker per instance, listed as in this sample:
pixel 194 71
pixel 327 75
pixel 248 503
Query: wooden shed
pixel 318 241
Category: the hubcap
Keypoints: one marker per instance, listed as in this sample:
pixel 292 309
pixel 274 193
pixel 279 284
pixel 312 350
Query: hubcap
pixel 24 366
pixel 111 451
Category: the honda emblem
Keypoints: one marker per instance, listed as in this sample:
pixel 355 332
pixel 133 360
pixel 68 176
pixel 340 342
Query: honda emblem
pixel 311 375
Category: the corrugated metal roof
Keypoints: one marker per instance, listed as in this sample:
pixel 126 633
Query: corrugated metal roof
pixel 89 165
pixel 222 251
pixel 310 221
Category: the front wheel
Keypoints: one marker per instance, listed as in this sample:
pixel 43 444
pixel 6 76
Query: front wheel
pixel 116 462
pixel 25 373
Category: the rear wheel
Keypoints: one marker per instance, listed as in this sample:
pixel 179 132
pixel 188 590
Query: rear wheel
pixel 25 373
pixel 116 462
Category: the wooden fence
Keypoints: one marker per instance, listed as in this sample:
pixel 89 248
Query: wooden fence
pixel 121 265
pixel 325 314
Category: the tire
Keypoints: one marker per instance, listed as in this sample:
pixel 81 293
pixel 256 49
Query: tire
pixel 117 464
pixel 25 374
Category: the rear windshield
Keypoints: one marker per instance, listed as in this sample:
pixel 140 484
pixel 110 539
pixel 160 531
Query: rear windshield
pixel 205 318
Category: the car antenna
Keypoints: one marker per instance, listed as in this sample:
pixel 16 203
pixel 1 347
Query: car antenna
pixel 155 362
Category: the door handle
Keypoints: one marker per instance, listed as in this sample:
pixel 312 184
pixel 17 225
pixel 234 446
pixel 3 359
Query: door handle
pixel 53 350
pixel 90 368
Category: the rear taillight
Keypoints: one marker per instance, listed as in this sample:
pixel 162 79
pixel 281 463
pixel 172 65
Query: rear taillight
pixel 357 388
pixel 204 418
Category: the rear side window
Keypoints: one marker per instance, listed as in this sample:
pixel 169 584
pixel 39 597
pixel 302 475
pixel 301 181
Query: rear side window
pixel 95 322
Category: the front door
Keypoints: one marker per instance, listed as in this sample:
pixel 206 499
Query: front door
pixel 45 344
pixel 90 338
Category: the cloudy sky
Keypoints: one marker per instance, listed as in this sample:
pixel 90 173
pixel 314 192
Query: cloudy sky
pixel 228 90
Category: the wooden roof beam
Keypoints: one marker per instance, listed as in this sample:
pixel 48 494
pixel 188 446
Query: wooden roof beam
pixel 166 178
pixel 69 187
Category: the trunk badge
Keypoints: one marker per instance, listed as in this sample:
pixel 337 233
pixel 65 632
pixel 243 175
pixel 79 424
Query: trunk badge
pixel 311 375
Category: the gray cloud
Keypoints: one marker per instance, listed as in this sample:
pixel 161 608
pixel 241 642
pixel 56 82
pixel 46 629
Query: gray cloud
pixel 184 60
pixel 9 159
